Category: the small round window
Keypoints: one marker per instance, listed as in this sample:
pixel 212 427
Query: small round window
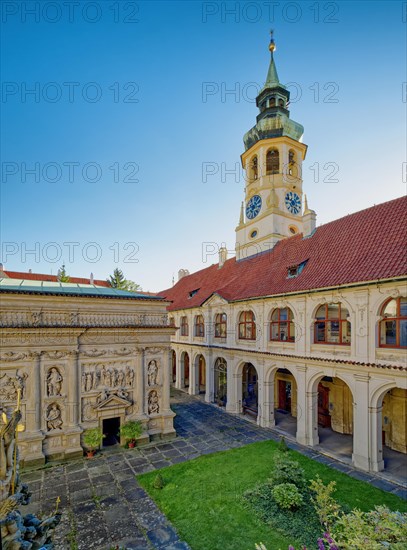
pixel 253 234
pixel 293 230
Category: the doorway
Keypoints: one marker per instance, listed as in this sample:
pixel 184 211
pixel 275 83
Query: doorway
pixel 111 427
pixel 284 396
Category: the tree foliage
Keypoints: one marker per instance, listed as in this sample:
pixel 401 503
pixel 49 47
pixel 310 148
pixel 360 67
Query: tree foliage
pixel 118 280
pixel 62 275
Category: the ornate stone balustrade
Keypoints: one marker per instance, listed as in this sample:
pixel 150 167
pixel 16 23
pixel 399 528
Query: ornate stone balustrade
pixel 22 319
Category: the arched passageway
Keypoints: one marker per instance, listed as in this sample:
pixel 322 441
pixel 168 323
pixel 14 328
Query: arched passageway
pixel 184 370
pixel 285 400
pixel 250 390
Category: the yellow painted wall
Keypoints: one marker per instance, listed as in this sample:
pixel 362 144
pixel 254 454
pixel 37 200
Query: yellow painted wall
pixel 394 419
pixel 286 378
pixel 340 406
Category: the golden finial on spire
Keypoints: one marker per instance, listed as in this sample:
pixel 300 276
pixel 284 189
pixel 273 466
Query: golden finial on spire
pixel 272 45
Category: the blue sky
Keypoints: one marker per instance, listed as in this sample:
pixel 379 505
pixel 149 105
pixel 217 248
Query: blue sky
pixel 130 100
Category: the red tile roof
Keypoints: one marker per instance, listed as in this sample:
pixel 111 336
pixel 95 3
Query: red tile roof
pixel 365 246
pixel 52 278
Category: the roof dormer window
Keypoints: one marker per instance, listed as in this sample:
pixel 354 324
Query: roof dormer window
pixel 295 269
pixel 193 292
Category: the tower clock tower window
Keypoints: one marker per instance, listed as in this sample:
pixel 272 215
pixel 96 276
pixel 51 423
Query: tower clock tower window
pixel 273 206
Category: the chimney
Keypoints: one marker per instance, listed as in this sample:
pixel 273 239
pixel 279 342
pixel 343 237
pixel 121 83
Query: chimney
pixel 91 279
pixel 182 273
pixel 223 255
pixel 309 220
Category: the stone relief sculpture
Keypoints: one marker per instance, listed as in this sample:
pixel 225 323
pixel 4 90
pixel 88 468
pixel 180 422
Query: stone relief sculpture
pixel 53 418
pixel 153 402
pixel 9 386
pixel 107 377
pixel 152 373
pixel 54 382
pixel 129 376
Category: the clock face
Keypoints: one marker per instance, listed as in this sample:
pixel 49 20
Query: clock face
pixel 293 202
pixel 253 207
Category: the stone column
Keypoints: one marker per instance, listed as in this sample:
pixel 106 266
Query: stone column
pixel 376 445
pixel 311 420
pixel 70 387
pixel 360 456
pixel 302 409
pixel 166 377
pixel 179 379
pixel 267 419
pixel 209 397
pixel 234 390
pixel 33 392
pixel 193 378
pixel 139 381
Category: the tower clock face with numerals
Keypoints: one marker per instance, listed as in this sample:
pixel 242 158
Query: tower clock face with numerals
pixel 293 202
pixel 253 207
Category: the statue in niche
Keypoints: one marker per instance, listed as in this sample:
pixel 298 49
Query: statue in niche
pixel 153 405
pixel 88 381
pixel 120 378
pixel 54 382
pixel 129 376
pixel 54 420
pixel 152 373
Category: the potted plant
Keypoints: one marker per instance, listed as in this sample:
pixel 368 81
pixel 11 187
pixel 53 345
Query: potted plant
pixel 131 430
pixel 92 439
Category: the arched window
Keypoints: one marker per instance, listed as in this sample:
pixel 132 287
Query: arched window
pixel 281 102
pixel 199 326
pixel 393 326
pixel 220 325
pixel 332 325
pixel 272 102
pixel 272 161
pixel 291 162
pixel 247 326
pixel 184 326
pixel 171 321
pixel 282 326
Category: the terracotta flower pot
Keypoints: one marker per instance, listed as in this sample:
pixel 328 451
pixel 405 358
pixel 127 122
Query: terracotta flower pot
pixel 132 444
pixel 90 453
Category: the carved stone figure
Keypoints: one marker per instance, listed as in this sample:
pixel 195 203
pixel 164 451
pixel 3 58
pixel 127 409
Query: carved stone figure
pixel 88 381
pixel 84 381
pixel 104 394
pixel 152 372
pixel 129 376
pixel 54 382
pixel 9 386
pixel 103 375
pixel 153 404
pixel 120 378
pixel 123 394
pixel 54 420
pixel 109 378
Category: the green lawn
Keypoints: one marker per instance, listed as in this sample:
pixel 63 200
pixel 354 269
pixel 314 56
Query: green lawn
pixel 202 497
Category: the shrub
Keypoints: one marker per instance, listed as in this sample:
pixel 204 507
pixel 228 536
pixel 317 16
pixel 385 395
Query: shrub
pixel 380 528
pixel 282 445
pixel 287 470
pixel 131 430
pixel 325 505
pixel 93 438
pixel 158 481
pixel 287 496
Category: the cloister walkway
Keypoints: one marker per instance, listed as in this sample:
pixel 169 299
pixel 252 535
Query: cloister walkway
pixel 104 506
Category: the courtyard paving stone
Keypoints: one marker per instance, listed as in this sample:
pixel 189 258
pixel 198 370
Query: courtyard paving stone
pixel 104 506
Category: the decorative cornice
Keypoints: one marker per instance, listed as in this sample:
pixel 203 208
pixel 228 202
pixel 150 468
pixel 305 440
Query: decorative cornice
pixel 296 357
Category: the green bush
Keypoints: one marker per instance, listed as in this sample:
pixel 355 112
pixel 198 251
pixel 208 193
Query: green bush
pixel 301 524
pixel 282 445
pixel 131 430
pixel 287 470
pixel 158 481
pixel 287 496
pixel 378 529
pixel 325 505
pixel 92 438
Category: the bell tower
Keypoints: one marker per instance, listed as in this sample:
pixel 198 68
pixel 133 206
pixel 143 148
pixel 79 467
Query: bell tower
pixel 272 162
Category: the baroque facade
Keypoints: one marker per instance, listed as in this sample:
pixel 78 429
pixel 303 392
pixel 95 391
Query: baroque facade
pixel 304 322
pixel 82 356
